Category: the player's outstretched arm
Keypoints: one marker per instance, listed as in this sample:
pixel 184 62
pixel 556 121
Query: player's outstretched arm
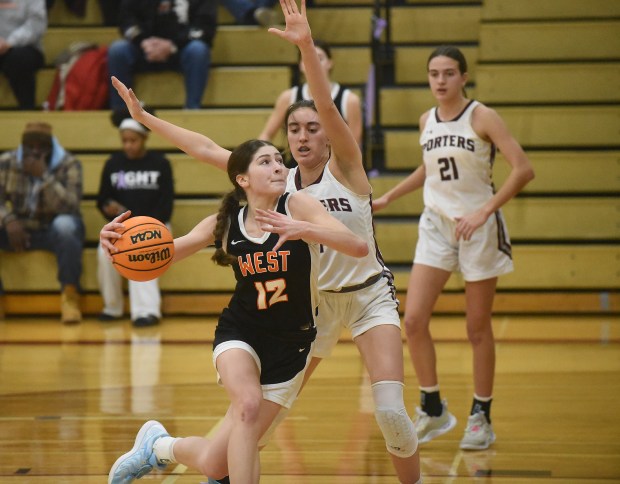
pixel 348 166
pixel 311 222
pixel 194 144
pixel 196 239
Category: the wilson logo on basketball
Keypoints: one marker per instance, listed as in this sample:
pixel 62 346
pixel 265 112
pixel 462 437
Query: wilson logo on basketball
pixel 146 235
pixel 152 257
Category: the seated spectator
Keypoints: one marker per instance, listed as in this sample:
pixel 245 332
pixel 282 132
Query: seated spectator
pixel 347 102
pixel 159 36
pixel 139 180
pixel 252 12
pixel 40 194
pixel 22 25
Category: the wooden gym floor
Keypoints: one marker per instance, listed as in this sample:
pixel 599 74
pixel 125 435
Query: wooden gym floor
pixel 73 397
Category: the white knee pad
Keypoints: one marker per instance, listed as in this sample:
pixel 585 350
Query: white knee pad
pixel 396 426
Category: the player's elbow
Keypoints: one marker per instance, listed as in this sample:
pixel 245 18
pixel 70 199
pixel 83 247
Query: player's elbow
pixel 526 175
pixel 359 248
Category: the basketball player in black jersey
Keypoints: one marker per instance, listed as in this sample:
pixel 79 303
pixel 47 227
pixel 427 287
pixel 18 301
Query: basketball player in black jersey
pixel 264 337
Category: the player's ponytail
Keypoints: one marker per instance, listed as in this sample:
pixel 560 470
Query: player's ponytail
pixel 229 206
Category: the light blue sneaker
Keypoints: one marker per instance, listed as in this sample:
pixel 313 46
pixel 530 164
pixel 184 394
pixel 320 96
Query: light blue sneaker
pixel 140 460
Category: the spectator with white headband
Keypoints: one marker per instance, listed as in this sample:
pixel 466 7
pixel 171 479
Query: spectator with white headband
pixel 139 180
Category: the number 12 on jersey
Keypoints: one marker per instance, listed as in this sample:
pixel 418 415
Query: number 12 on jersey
pixel 277 286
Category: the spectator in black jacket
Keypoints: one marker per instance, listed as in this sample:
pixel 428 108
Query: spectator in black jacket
pixel 139 180
pixel 161 35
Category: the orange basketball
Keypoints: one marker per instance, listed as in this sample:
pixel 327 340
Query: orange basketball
pixel 145 249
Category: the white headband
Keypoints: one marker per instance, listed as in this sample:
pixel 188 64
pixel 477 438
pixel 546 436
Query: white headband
pixel 133 125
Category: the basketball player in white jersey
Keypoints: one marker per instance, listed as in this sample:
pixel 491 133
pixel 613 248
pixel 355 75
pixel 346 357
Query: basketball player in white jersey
pixel 461 229
pixel 355 293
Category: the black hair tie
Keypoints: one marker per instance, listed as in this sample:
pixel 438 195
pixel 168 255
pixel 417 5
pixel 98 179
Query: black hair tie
pixel 218 244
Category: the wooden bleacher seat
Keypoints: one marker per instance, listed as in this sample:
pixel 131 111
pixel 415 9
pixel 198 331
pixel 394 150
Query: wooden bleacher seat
pixel 341 25
pixel 92 130
pixel 435 24
pixel 550 83
pixel 548 9
pixel 550 41
pixel 403 106
pixel 351 64
pixel 227 86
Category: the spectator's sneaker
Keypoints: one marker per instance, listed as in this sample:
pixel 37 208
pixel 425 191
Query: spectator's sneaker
pixel 70 305
pixel 479 433
pixel 428 427
pixel 140 460
pixel 265 17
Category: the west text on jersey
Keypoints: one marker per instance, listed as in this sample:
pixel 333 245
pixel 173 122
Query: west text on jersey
pixel 259 262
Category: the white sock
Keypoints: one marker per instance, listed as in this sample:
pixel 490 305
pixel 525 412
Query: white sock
pixel 430 389
pixel 163 449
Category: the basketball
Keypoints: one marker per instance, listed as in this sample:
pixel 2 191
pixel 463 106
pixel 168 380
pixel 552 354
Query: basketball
pixel 145 249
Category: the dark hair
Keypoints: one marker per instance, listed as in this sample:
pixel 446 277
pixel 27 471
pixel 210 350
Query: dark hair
pixel 453 53
pixel 302 103
pixel 238 163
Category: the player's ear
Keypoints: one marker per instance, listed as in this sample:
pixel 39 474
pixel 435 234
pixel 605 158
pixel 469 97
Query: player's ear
pixel 242 180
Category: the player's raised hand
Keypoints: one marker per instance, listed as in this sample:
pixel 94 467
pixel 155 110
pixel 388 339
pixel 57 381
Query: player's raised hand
pixel 297 28
pixel 277 223
pixel 131 100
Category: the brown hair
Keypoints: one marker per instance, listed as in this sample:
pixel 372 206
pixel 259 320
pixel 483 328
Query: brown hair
pixel 238 163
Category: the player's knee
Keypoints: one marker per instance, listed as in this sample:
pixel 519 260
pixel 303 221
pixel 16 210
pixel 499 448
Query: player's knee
pixel 396 426
pixel 398 431
pixel 247 409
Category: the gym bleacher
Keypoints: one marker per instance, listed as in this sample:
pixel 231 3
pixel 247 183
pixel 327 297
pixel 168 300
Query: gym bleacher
pixel 551 68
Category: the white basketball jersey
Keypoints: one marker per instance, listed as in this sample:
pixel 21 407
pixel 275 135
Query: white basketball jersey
pixel 458 165
pixel 338 270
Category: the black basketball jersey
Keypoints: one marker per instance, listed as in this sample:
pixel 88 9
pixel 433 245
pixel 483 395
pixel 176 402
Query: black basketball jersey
pixel 276 291
pixel 338 93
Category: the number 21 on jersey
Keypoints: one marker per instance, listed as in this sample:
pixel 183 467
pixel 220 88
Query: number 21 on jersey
pixel 448 170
